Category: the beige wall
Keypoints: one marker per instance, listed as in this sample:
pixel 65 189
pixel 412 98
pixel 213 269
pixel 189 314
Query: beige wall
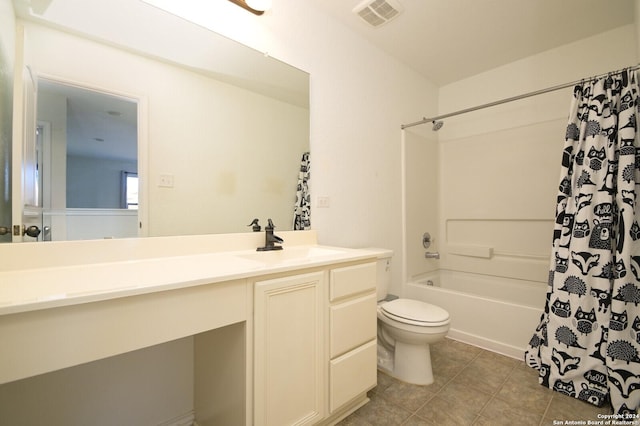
pixel 499 166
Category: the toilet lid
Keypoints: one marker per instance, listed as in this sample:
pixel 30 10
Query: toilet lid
pixel 415 310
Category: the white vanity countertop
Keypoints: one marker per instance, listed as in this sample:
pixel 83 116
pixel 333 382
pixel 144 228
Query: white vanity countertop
pixel 55 286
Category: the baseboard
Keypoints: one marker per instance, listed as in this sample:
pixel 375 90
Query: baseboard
pixel 346 410
pixel 187 419
pixel 488 344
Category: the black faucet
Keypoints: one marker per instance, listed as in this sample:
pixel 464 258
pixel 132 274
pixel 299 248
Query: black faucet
pixel 270 240
pixel 255 226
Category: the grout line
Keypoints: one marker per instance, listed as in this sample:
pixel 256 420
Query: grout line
pixel 494 395
pixel 546 410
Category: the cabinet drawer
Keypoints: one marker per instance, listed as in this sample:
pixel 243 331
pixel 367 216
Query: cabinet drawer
pixel 352 374
pixel 352 280
pixel 352 323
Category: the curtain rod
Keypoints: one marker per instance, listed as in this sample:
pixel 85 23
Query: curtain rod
pixel 513 98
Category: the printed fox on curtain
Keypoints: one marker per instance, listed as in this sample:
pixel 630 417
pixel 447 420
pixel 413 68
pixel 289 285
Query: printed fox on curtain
pixel 587 344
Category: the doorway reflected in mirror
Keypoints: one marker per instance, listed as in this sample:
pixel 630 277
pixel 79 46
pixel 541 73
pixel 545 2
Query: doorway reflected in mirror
pixel 89 162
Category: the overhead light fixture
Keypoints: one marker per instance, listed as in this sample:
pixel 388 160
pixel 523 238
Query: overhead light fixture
pixel 257 7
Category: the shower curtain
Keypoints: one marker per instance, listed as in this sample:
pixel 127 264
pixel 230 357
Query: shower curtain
pixel 302 209
pixel 587 344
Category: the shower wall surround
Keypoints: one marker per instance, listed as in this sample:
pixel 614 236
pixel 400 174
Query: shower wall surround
pixel 498 167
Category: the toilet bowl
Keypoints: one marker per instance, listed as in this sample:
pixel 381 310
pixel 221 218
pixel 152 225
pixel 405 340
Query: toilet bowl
pixel 406 328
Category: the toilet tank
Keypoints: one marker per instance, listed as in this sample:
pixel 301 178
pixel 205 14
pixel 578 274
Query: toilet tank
pixel 384 270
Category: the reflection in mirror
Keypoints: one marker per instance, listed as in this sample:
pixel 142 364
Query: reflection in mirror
pixel 7 59
pixel 222 127
pixel 89 145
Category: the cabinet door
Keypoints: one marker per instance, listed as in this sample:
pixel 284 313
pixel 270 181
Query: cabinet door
pixel 289 346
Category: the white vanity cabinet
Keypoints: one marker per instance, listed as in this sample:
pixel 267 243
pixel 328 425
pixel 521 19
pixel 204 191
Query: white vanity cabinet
pixel 289 331
pixel 314 344
pixel 352 332
pixel 233 337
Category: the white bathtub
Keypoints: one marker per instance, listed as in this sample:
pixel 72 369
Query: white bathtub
pixel 495 313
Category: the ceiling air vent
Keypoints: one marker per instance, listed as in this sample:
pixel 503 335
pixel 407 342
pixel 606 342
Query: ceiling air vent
pixel 378 12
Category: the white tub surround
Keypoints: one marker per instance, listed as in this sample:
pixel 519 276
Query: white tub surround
pixel 85 301
pixel 491 312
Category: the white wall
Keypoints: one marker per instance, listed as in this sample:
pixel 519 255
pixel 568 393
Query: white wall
pixel 422 170
pixel 359 98
pixel 52 114
pixel 499 166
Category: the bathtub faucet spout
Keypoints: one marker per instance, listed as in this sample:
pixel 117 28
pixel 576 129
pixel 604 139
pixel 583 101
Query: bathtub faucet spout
pixel 430 255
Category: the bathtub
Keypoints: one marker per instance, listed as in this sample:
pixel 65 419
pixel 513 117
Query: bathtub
pixel 495 313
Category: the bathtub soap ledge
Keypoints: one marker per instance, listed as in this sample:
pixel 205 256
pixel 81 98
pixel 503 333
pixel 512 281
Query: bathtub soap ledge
pixel 472 251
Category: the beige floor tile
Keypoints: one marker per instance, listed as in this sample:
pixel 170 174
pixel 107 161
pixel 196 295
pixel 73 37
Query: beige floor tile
pixel 522 390
pixel 417 421
pixel 354 420
pixel 484 375
pixel 454 350
pixel 380 411
pixel 502 413
pixel 407 396
pixel 472 387
pixel 459 391
pixel 445 413
pixel 444 369
pixel 503 359
pixel 563 407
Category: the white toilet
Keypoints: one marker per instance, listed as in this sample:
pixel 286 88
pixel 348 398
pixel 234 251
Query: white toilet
pixel 406 328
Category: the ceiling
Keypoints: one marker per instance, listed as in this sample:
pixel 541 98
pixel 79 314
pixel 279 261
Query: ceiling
pixel 98 124
pixel 449 40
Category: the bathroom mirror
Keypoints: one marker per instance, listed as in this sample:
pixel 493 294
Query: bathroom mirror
pixel 223 127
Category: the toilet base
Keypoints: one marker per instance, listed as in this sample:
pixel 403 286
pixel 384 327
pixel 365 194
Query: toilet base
pixel 385 359
pixel 412 363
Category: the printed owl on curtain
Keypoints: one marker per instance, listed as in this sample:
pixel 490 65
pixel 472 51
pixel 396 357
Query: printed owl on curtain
pixel 587 344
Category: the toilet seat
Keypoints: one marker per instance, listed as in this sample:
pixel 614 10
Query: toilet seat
pixel 415 312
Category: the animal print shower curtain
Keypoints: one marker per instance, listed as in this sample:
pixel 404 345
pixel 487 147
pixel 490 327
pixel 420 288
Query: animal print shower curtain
pixel 587 344
pixel 302 209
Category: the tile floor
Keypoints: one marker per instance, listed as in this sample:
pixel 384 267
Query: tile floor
pixel 472 387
